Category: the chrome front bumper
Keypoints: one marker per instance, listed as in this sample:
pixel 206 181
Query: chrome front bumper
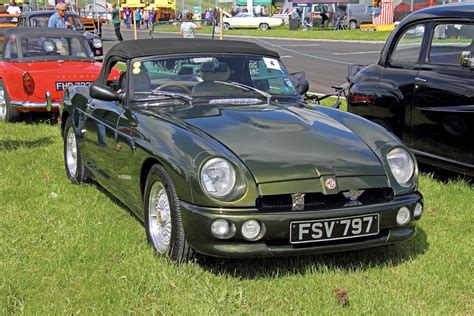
pixel 32 105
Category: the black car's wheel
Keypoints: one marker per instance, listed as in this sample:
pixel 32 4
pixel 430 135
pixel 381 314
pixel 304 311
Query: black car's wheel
pixel 226 26
pixel 163 225
pixel 264 26
pixel 7 113
pixel 75 170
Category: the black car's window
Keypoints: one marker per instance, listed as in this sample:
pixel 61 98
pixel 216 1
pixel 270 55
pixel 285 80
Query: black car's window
pixel 449 42
pixel 42 21
pixel 11 49
pixel 209 75
pixel 408 47
pixel 53 46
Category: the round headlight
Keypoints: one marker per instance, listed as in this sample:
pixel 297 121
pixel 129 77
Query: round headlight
pixel 218 177
pixel 96 42
pixel 401 164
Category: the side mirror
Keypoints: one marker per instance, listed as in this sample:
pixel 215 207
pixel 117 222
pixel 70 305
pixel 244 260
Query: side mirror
pixel 104 93
pixel 299 78
pixel 466 59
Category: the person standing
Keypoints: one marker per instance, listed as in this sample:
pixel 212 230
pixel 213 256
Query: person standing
pixel 151 18
pixel 13 8
pixel 146 16
pixel 138 17
pixel 188 27
pixel 116 21
pixel 26 7
pixel 57 20
pixel 127 17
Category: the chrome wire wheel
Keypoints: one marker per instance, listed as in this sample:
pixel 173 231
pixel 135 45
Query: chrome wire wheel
pixel 3 105
pixel 159 217
pixel 71 152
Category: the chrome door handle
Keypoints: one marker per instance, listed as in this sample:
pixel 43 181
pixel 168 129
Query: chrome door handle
pixel 417 79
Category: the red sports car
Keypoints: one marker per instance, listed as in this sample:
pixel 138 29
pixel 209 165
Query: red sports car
pixel 40 62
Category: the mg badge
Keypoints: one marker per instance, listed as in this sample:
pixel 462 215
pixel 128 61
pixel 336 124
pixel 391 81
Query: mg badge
pixel 298 202
pixel 330 183
pixel 353 195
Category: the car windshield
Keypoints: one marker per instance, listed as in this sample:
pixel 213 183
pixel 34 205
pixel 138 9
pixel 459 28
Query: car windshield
pixel 211 76
pixel 43 47
pixel 42 21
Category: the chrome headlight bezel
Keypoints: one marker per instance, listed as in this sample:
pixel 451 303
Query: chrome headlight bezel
pixel 402 165
pixel 97 42
pixel 227 170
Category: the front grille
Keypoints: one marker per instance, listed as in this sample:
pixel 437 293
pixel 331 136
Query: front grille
pixel 320 201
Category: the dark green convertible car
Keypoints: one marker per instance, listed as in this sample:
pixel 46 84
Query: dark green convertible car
pixel 213 146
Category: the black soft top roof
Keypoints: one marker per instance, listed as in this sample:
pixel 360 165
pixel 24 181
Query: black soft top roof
pixel 44 12
pixel 39 31
pixel 161 46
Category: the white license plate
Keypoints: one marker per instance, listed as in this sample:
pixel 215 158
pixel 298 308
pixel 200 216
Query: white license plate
pixel 334 228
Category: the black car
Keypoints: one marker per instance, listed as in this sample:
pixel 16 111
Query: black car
pixel 40 19
pixel 422 87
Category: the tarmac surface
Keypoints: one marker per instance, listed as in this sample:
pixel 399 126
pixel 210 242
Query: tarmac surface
pixel 325 62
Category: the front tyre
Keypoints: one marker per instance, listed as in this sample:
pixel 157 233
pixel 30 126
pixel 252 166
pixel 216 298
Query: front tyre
pixel 163 224
pixel 264 26
pixel 75 170
pixel 226 26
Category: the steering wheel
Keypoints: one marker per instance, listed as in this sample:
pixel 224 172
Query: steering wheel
pixel 174 84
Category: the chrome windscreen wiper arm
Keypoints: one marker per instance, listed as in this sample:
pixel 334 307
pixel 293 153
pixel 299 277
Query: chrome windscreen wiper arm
pixel 173 95
pixel 267 95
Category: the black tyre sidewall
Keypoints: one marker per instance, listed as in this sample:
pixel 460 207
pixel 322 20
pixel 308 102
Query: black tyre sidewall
pixel 12 114
pixel 179 250
pixel 79 177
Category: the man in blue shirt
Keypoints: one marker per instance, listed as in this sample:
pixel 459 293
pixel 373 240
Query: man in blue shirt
pixel 57 20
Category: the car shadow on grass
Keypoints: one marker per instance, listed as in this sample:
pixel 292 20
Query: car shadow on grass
pixel 443 175
pixel 7 145
pixel 360 260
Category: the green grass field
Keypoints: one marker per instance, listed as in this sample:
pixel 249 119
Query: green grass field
pixel 285 33
pixel 67 249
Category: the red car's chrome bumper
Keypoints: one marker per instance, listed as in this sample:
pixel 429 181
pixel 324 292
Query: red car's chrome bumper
pixel 32 105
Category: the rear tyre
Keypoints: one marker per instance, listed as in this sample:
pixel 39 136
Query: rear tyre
pixel 352 25
pixel 264 26
pixel 226 26
pixel 7 113
pixel 163 224
pixel 75 170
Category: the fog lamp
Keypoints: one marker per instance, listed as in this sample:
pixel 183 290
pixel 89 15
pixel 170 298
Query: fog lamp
pixel 403 216
pixel 418 211
pixel 251 229
pixel 222 229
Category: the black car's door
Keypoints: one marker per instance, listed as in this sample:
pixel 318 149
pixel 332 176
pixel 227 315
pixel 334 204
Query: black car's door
pixel 442 122
pixel 394 93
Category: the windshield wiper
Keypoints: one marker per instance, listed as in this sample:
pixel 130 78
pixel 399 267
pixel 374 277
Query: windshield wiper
pixel 178 95
pixel 267 95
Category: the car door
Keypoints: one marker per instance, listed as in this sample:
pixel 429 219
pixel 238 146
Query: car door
pixel 99 130
pixel 394 93
pixel 442 119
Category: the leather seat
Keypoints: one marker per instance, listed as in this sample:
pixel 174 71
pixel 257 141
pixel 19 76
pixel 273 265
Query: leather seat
pixel 141 81
pixel 211 72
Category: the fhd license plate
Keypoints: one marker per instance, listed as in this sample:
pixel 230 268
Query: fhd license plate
pixel 334 228
pixel 61 85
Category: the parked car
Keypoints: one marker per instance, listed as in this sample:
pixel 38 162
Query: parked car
pixel 37 64
pixel 248 20
pixel 422 87
pixel 40 19
pixel 214 148
pixel 8 20
pixel 357 14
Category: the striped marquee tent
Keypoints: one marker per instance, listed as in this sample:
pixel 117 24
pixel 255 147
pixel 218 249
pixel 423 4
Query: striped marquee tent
pixel 385 15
